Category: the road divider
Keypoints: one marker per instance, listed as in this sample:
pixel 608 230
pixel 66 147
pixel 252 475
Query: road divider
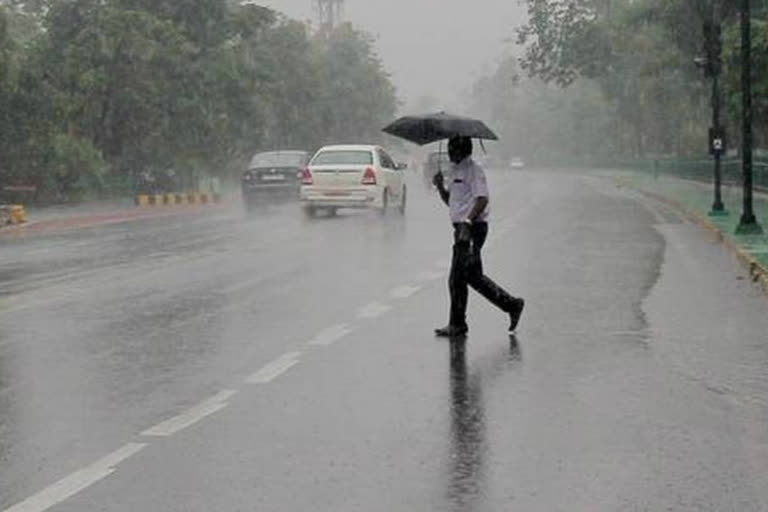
pixel 190 416
pixel 147 200
pixel 276 368
pixel 77 481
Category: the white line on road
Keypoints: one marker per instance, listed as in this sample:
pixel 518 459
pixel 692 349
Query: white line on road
pixel 430 276
pixel 242 285
pixel 403 292
pixel 191 415
pixel 77 481
pixel 373 310
pixel 274 369
pixel 330 335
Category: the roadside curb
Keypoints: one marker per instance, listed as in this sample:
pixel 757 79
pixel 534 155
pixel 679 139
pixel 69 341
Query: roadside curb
pixel 757 272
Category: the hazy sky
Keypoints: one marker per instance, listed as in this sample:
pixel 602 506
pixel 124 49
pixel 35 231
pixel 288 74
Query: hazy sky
pixel 420 41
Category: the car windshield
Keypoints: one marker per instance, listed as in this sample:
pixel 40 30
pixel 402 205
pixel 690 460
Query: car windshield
pixel 347 157
pixel 277 159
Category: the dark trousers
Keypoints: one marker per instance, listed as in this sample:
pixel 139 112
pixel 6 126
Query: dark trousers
pixel 467 270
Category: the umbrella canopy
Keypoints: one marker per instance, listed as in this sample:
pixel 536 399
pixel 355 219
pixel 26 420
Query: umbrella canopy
pixel 433 127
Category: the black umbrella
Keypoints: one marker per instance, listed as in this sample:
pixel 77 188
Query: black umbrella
pixel 433 127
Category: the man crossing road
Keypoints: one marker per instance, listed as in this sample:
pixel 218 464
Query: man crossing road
pixel 467 198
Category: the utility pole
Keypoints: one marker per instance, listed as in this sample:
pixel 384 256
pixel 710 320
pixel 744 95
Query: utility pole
pixel 748 224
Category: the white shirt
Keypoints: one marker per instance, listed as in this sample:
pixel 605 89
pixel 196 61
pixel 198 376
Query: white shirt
pixel 467 183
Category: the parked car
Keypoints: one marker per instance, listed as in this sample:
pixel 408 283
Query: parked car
pixel 353 176
pixel 437 161
pixel 273 173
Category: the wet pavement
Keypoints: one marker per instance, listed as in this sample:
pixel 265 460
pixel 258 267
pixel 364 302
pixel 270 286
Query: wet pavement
pixel 272 362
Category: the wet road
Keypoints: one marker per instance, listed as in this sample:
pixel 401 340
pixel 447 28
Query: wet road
pixel 271 362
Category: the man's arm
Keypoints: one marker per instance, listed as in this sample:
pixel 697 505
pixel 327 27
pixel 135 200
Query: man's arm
pixel 479 186
pixel 438 182
pixel 481 203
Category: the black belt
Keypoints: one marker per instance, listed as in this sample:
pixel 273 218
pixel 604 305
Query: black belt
pixel 477 223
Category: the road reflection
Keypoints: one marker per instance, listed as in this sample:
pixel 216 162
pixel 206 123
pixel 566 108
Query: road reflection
pixel 468 441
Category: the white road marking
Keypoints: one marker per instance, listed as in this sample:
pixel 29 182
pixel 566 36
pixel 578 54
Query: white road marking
pixel 242 285
pixel 430 276
pixel 77 481
pixel 330 335
pixel 373 310
pixel 274 369
pixel 403 292
pixel 191 415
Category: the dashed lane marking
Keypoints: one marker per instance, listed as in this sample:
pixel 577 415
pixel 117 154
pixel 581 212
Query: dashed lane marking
pixel 191 415
pixel 77 481
pixel 430 276
pixel 330 335
pixel 373 310
pixel 274 369
pixel 403 292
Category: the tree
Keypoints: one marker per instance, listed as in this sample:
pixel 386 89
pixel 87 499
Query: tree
pixel 127 86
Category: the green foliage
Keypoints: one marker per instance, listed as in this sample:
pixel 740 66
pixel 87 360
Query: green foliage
pixel 75 166
pixel 193 85
pixel 633 64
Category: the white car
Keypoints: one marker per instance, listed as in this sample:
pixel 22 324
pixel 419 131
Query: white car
pixel 352 176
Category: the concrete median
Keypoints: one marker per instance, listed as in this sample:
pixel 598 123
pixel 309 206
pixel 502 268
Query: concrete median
pixel 177 199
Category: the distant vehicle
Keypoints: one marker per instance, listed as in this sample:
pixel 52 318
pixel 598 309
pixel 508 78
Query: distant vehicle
pixel 352 176
pixel 516 163
pixel 273 173
pixel 436 161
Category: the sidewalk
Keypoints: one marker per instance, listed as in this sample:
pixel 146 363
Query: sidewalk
pixel 696 199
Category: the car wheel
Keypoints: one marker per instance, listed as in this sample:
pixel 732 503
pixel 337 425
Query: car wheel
pixel 403 201
pixel 384 203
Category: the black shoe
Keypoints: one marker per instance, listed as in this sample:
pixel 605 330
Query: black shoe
pixel 515 313
pixel 451 331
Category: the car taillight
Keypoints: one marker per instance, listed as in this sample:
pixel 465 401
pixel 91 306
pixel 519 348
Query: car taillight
pixel 369 177
pixel 306 176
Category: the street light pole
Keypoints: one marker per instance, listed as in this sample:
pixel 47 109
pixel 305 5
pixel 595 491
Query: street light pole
pixel 718 208
pixel 748 223
pixel 713 36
